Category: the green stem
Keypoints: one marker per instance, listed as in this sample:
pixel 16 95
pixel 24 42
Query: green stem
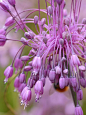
pixel 5 96
pixel 71 88
pixel 73 96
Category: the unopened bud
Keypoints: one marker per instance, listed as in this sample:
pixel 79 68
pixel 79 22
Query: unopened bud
pixel 45 40
pixel 64 35
pixel 12 2
pixel 43 21
pixel 4 6
pixel 65 71
pixel 62 82
pixel 78 110
pixel 65 12
pixel 50 10
pixel 82 68
pixel 25 58
pixel 9 21
pixel 79 94
pixel 58 70
pixel 52 75
pixel 59 1
pixel 2 39
pixel 24 41
pixel 61 41
pixel 27 68
pixel 29 35
pixel 35 20
pixel 84 21
pixel 22 78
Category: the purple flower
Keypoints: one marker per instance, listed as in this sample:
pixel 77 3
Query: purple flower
pixel 8 73
pixel 17 82
pixel 9 22
pixel 79 94
pixel 26 96
pixel 4 6
pixel 2 40
pixel 12 2
pixel 57 48
pixel 78 110
pixel 38 89
pixel 52 75
pixel 22 78
pixel 62 82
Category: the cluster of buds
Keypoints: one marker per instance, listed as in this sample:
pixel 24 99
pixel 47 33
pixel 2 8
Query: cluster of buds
pixel 57 50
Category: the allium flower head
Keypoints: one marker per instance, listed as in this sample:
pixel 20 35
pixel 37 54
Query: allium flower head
pixel 57 48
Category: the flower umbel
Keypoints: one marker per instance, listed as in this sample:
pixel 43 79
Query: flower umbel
pixel 57 50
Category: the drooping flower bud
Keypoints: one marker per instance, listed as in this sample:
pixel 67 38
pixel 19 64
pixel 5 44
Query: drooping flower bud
pixel 24 58
pixel 30 82
pixel 9 21
pixel 50 10
pixel 75 60
pixel 65 12
pixel 21 87
pixel 78 110
pixel 18 63
pixel 26 96
pixel 35 20
pixel 4 6
pixel 64 35
pixel 12 2
pixel 32 52
pixel 29 35
pixel 62 82
pixel 84 21
pixel 63 59
pixel 82 82
pixel 59 2
pixel 38 89
pixel 52 75
pixel 24 41
pixel 79 94
pixel 58 70
pixel 30 63
pixel 2 39
pixel 44 33
pixel 45 40
pixel 73 82
pixel 22 78
pixel 65 71
pixel 27 68
pixel 61 41
pixel 8 73
pixel 36 62
pixel 17 82
pixel 43 21
pixel 82 68
pixel 67 21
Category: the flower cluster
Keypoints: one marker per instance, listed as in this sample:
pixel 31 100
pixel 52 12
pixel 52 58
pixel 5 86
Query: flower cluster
pixel 57 50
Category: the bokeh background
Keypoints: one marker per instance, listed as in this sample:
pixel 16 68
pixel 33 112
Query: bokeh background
pixel 55 104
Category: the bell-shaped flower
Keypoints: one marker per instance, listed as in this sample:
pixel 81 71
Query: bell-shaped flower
pixel 38 89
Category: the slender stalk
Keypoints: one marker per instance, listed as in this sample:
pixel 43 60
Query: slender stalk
pixel 73 96
pixel 71 89
pixel 5 96
pixel 19 17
